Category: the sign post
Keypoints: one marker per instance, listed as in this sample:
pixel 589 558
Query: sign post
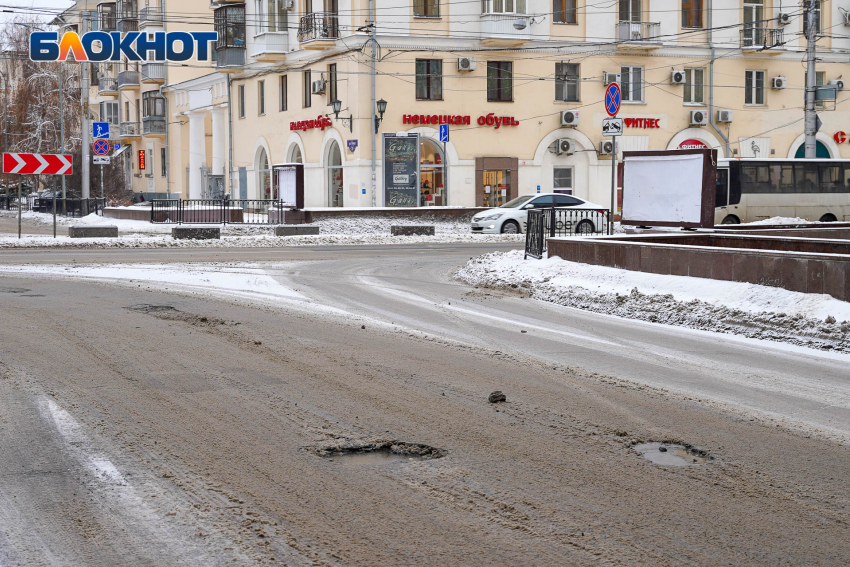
pixel 444 137
pixel 612 107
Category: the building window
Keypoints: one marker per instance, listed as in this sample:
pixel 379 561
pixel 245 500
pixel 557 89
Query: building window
pixel 334 175
pixel 153 105
pixel 816 4
pixel 563 178
pixel 138 111
pixel 820 78
pixel 426 8
pixel 503 6
pixel 564 12
pixel 261 97
pixel 333 92
pixel 500 81
pixel 308 94
pixel 283 93
pixel 271 16
pixel 754 24
pixel 162 161
pixel 630 11
pixel 566 82
pixel 109 112
pixel 241 101
pixel 694 81
pixel 429 79
pixel 631 84
pixel 754 87
pixel 691 13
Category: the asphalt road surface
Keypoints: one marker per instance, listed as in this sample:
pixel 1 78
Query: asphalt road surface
pixel 145 425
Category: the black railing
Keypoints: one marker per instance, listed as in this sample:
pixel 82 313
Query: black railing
pixel 318 25
pixel 69 207
pixel 551 223
pixel 217 211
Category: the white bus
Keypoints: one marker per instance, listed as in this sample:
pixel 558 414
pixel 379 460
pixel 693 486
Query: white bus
pixel 755 189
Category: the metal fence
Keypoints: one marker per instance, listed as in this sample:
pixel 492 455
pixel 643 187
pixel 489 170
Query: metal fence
pixel 217 211
pixel 64 207
pixel 550 223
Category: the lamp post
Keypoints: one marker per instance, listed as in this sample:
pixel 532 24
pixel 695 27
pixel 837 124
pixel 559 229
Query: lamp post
pixel 336 106
pixel 382 107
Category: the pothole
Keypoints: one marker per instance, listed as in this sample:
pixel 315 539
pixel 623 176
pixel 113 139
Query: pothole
pixel 13 290
pixel 671 455
pixel 377 452
pixel 145 308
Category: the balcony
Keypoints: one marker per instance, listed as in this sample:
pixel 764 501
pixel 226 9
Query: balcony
pixel 270 46
pixel 230 45
pixel 318 30
pixel 128 80
pixel 150 16
pixel 498 30
pixel 130 131
pixel 107 85
pixel 230 59
pixel 768 40
pixel 128 24
pixel 153 73
pixel 153 126
pixel 637 36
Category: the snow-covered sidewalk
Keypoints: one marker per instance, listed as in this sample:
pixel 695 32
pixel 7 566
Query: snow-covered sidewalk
pixel 755 311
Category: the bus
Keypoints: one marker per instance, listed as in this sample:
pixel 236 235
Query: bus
pixel 756 189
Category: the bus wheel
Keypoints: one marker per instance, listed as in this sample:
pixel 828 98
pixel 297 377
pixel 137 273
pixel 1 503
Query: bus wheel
pixel 731 219
pixel 828 217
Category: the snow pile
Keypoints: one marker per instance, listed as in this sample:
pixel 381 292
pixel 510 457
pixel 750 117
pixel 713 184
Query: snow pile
pixel 814 320
pixel 779 221
pixel 366 225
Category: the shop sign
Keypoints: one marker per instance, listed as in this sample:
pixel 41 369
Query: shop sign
pixel 352 145
pixel 320 122
pixel 692 145
pixel 642 122
pixel 840 137
pixel 401 164
pixel 436 119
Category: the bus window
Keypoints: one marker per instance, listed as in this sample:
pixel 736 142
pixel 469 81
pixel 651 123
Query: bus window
pixel 748 179
pixel 763 179
pixel 735 182
pixel 810 179
pixel 830 178
pixel 722 193
pixel 786 179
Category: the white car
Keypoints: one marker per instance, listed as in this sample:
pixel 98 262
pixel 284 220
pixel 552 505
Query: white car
pixel 511 218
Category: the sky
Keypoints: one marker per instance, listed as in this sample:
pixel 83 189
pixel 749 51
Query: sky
pixel 25 8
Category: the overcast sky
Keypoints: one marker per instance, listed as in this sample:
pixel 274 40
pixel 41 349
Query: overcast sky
pixel 33 9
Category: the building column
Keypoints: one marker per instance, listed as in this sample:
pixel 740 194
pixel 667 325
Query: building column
pixel 219 118
pixel 197 152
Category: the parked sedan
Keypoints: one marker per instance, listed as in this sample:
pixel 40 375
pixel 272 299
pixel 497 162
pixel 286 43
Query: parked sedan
pixel 511 218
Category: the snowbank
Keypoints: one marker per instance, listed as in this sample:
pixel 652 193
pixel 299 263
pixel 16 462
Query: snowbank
pixel 752 310
pixel 780 221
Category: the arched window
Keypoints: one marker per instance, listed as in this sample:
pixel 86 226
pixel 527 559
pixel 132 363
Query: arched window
pixel 334 174
pixel 432 189
pixel 295 155
pixel 821 152
pixel 264 176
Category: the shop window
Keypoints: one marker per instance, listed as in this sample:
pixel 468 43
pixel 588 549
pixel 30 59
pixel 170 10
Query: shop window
pixel 694 81
pixel 429 79
pixel 295 155
pixel 754 87
pixel 283 93
pixel 308 94
pixel 241 101
pixel 564 12
pixel 691 13
pixel 333 93
pixel 499 81
pixel 431 174
pixel 563 179
pixel 426 8
pixel 261 97
pixel 630 11
pixel 567 82
pixel 631 84
pixel 503 6
pixel 334 175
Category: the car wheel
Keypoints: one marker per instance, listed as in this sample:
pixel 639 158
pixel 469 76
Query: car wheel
pixel 731 219
pixel 510 227
pixel 585 227
pixel 828 217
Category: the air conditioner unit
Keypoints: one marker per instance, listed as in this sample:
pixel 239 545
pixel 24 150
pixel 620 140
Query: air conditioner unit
pixel 838 83
pixel 569 118
pixel 319 86
pixel 564 147
pixel 466 64
pixel 784 19
pixel 778 83
pixel 608 78
pixel 677 77
pixel 699 118
pixel 724 116
pixel 606 147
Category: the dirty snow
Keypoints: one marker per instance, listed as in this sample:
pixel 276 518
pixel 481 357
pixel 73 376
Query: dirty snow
pixel 755 311
pixel 780 220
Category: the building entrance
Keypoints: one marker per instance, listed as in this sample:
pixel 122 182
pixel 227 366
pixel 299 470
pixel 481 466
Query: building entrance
pixel 496 187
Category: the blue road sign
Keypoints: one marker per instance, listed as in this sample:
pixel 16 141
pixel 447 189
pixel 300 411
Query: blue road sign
pixel 99 130
pixel 101 147
pixel 612 99
pixel 117 146
pixel 444 132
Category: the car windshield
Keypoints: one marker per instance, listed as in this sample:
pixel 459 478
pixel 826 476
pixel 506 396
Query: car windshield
pixel 516 202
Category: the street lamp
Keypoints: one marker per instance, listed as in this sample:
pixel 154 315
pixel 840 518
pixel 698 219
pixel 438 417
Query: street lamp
pixel 336 106
pixel 382 107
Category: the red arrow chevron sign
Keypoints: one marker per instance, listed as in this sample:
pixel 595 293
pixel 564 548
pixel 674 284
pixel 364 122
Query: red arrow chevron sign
pixel 42 164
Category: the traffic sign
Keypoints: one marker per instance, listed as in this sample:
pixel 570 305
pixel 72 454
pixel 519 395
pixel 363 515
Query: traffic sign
pixel 42 164
pixel 116 146
pixel 101 160
pixel 612 99
pixel 444 132
pixel 612 126
pixel 99 130
pixel 100 147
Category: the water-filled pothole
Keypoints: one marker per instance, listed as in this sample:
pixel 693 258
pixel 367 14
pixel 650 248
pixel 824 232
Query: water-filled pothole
pixel 378 452
pixel 671 455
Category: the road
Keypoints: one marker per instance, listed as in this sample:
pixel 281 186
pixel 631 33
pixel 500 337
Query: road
pixel 164 436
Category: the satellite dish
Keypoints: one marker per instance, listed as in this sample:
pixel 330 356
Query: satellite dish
pixel 519 24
